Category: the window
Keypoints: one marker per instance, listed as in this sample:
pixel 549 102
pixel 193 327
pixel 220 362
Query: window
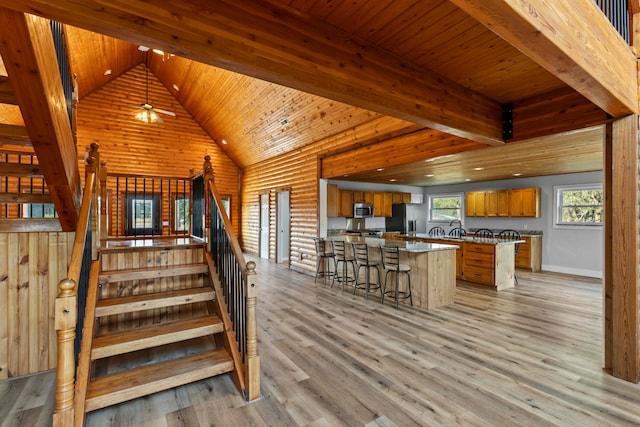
pixel 39 210
pixel 181 213
pixel 579 205
pixel 445 207
pixel 226 204
pixel 143 214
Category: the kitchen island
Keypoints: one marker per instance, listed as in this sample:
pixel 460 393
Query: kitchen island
pixel 484 261
pixel 433 276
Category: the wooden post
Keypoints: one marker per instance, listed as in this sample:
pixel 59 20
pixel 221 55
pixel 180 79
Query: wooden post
pixel 252 370
pixel 103 202
pixel 207 174
pixel 92 166
pixel 621 320
pixel 65 324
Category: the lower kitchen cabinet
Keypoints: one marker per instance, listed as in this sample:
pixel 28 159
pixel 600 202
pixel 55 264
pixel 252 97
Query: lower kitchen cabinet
pixel 530 253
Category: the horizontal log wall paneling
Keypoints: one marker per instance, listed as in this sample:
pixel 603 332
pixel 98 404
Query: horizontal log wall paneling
pixel 31 265
pixel 297 171
pixel 172 148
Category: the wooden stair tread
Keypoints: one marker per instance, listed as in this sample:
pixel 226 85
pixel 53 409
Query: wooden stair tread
pixel 153 336
pixel 122 386
pixel 110 306
pixel 152 272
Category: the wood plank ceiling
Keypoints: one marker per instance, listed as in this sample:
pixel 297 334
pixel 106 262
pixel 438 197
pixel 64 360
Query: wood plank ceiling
pixel 254 120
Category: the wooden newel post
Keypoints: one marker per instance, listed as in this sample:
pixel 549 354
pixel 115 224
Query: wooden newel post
pixel 65 323
pixel 93 167
pixel 207 174
pixel 252 371
pixel 103 200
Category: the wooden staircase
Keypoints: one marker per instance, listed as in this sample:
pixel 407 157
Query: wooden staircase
pixel 157 325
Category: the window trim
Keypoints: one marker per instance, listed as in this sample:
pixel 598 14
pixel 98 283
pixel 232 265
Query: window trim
pixel 557 206
pixel 430 198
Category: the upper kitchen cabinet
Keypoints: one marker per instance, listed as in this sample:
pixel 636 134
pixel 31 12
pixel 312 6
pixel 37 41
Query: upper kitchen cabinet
pixel 524 202
pixel 398 197
pixel 475 203
pixel 382 204
pixel 362 196
pixel 345 208
pixel 496 202
pixel 332 200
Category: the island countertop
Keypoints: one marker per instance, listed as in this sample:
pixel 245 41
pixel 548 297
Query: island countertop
pixel 471 239
pixel 400 244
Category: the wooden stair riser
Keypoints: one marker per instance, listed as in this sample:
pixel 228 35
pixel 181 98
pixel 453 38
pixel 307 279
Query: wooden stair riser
pixel 139 339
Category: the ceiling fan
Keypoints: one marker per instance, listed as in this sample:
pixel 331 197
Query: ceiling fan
pixel 148 114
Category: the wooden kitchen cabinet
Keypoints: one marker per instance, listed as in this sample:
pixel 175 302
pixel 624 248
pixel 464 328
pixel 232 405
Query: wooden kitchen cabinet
pixel 345 208
pixel 382 204
pixel 530 253
pixel 496 203
pixel 333 201
pixel 524 202
pixel 398 197
pixel 362 196
pixel 459 252
pixel 475 203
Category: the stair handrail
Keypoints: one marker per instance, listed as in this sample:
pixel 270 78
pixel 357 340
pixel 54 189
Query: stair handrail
pixel 239 282
pixel 66 309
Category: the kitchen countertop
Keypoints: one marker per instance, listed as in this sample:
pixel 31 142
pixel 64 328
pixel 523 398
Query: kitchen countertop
pixel 490 241
pixel 415 247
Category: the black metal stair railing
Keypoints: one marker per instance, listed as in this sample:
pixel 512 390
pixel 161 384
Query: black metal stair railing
pixel 618 13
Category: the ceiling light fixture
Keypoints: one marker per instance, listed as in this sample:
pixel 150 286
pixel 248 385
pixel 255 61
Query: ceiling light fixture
pixel 175 86
pixel 147 116
pixel 468 179
pixel 107 72
pixel 517 174
pixel 224 141
pixel 429 175
pixel 380 169
pixel 478 169
pixel 393 180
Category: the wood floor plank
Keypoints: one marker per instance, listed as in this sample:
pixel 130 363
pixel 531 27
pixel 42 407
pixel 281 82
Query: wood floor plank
pixel 530 355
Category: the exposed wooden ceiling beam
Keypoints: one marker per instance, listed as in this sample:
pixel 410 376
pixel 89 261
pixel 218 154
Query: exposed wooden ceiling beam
pixel 267 41
pixel 6 92
pixel 27 48
pixel 571 39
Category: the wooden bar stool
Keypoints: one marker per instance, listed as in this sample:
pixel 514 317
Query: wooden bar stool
pixel 391 264
pixel 361 255
pixel 324 258
pixel 340 250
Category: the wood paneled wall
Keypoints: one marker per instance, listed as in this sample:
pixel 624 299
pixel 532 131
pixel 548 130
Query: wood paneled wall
pixel 172 148
pixel 298 172
pixel 31 265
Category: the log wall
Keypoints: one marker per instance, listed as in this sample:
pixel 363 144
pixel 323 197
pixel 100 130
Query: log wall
pixel 298 172
pixel 171 148
pixel 31 265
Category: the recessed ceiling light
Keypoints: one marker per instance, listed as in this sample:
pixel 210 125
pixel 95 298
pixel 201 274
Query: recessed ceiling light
pixel 430 160
pixel 517 174
pixel 224 141
pixel 158 51
pixel 393 180
pixel 380 169
pixel 468 179
pixel 284 122
pixel 429 175
pixel 143 48
pixel 175 86
pixel 478 169
pixel 107 72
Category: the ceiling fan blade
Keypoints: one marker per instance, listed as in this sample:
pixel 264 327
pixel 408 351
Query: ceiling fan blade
pixel 159 119
pixel 165 112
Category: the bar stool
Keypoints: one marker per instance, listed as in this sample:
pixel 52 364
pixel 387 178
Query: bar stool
pixel 483 233
pixel 323 257
pixel 361 255
pixel 391 264
pixel 436 232
pixel 340 250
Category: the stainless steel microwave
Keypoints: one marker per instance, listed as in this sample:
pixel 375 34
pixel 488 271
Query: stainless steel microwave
pixel 362 210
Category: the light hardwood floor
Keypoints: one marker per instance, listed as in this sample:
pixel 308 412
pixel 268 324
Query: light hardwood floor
pixel 527 356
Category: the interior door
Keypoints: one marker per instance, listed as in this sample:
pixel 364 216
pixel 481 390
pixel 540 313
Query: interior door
pixel 264 226
pixel 283 227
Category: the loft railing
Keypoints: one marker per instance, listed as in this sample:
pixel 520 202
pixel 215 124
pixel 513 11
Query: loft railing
pixel 239 285
pixel 70 303
pixel 139 206
pixel 618 13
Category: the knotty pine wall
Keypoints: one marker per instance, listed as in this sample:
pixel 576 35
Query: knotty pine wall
pixel 31 266
pixel 169 149
pixel 298 171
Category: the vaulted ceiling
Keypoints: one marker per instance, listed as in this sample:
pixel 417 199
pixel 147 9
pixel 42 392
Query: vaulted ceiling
pixel 264 79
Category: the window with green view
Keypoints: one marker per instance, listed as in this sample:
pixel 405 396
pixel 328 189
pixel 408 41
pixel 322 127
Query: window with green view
pixel 445 207
pixel 579 205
